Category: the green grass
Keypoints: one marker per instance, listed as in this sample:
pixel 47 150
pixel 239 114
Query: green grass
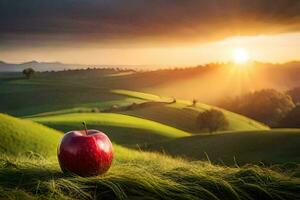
pixel 29 169
pixel 23 136
pixel 88 107
pixel 268 147
pixel 140 95
pixel 180 118
pixel 120 128
pixel 140 175
pixel 236 121
pixel 133 175
pixel 78 91
pixel 183 116
pixel 179 115
pixel 66 91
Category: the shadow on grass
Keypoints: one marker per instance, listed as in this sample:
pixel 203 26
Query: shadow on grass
pixel 12 176
pixel 14 78
pixel 129 137
pixel 46 181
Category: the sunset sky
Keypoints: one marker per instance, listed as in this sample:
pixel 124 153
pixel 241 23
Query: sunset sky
pixel 159 32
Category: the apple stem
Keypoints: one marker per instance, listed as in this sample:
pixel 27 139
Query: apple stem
pixel 85 128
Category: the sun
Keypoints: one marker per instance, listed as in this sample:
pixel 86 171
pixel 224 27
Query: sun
pixel 241 56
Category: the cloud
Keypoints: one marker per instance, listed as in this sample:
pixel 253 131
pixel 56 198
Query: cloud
pixel 133 22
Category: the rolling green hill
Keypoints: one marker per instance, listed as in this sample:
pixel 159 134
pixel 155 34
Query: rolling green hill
pixel 182 115
pixel 134 174
pixel 120 128
pixel 67 90
pixel 139 95
pixel 63 100
pixel 268 147
pixel 88 90
pixel 24 136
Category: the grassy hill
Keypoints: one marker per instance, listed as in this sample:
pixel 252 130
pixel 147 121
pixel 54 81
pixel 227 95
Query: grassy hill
pixel 67 90
pixel 120 128
pixel 24 136
pixel 139 175
pixel 269 147
pixel 85 90
pixel 63 100
pixel 133 175
pixel 182 115
pixel 214 82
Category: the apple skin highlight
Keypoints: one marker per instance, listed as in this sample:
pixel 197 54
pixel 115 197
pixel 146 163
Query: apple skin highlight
pixel 85 153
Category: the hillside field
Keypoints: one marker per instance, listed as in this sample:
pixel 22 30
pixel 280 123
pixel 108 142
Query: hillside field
pixel 136 174
pixel 120 128
pixel 268 147
pixel 24 136
pixel 160 151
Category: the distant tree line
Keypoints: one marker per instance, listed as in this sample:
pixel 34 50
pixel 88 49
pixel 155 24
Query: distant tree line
pixel 274 108
pixel 292 119
pixel 93 69
pixel 295 94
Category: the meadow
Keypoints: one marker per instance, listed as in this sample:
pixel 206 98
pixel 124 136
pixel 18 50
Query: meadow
pixel 160 151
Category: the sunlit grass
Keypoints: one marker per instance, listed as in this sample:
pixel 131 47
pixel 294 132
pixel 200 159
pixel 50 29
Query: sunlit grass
pixel 136 175
pixel 24 136
pixel 183 116
pixel 112 120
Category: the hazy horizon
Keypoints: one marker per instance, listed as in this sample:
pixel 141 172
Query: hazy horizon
pixel 138 66
pixel 149 32
pixel 263 48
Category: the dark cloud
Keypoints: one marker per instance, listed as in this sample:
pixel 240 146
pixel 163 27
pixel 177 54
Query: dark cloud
pixel 125 21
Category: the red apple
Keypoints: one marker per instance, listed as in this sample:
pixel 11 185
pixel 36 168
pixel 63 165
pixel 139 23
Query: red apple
pixel 85 153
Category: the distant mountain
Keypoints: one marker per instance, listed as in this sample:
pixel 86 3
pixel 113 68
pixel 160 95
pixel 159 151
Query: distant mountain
pixel 38 66
pixel 58 66
pixel 33 62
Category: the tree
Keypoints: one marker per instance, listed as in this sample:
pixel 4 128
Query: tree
pixel 194 102
pixel 28 72
pixel 295 94
pixel 292 119
pixel 268 105
pixel 212 120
